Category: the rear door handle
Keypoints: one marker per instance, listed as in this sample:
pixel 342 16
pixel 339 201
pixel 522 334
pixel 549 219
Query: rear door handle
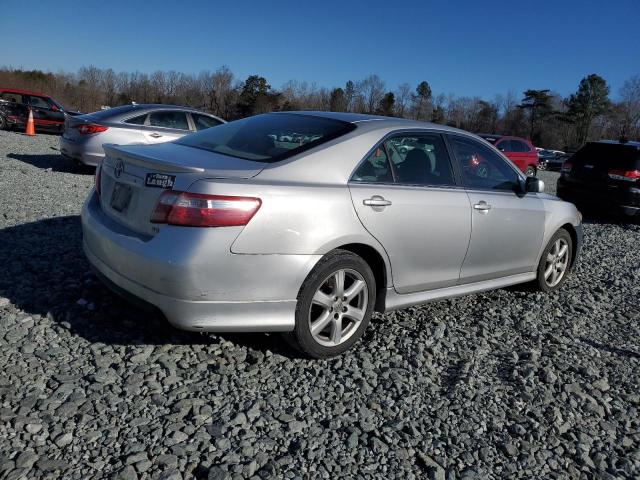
pixel 155 135
pixel 376 201
pixel 482 206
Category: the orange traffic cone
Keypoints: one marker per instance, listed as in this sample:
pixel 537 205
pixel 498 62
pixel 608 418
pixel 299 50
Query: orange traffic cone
pixel 31 129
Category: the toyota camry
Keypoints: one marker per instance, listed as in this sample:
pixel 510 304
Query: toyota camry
pixel 307 222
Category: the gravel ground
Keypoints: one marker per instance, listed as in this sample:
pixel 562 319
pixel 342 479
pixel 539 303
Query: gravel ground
pixel 507 384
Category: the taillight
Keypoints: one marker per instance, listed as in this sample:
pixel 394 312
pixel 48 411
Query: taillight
pixel 200 210
pixel 626 175
pixel 97 178
pixel 90 128
pixel 566 167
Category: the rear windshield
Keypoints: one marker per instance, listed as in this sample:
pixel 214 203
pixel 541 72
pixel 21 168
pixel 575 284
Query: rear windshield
pixel 268 138
pixel 490 139
pixel 110 112
pixel 609 155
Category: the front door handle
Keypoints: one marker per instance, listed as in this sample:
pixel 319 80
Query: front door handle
pixel 376 201
pixel 155 135
pixel 482 206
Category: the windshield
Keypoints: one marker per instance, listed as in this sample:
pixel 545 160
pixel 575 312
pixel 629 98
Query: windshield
pixel 268 138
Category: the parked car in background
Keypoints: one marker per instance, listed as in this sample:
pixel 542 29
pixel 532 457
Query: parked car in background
pixel 84 135
pixel 555 163
pixel 519 150
pixel 231 230
pixel 544 156
pixel 48 115
pixel 603 176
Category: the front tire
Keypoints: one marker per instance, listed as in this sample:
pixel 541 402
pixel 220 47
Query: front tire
pixel 555 263
pixel 3 123
pixel 335 304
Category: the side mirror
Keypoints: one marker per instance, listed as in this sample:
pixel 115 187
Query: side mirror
pixel 534 185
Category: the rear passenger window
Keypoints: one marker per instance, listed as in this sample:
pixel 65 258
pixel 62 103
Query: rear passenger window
pixel 203 122
pixel 175 120
pixel 11 97
pixel 139 120
pixel 375 169
pixel 519 146
pixel 420 159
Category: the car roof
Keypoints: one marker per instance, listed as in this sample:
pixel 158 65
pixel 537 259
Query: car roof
pixel 497 136
pixel 618 142
pixel 124 111
pixel 23 92
pixel 375 122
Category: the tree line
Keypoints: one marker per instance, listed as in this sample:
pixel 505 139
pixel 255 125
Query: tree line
pixel 547 118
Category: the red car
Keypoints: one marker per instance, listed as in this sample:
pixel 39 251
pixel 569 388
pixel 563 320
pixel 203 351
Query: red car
pixel 14 110
pixel 519 150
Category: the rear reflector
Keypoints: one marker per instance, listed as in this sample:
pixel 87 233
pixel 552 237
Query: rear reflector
pixel 97 178
pixel 200 210
pixel 627 175
pixel 90 128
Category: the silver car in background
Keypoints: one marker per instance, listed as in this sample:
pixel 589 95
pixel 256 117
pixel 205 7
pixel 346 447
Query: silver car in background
pixel 307 222
pixel 84 135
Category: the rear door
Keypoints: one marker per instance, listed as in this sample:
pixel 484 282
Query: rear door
pixel 410 202
pixel 522 155
pixel 507 225
pixel 166 125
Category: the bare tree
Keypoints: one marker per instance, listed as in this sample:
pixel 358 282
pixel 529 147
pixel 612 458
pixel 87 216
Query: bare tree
pixel 372 90
pixel 403 96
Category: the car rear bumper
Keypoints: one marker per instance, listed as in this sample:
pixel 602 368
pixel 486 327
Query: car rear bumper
pixel 83 152
pixel 192 277
pixel 620 199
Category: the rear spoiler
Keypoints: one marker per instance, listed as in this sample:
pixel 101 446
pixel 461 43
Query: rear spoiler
pixel 148 161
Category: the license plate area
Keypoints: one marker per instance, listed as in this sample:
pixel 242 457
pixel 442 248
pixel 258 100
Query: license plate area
pixel 159 180
pixel 120 197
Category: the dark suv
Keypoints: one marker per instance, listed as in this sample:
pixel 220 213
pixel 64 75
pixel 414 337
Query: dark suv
pixel 604 176
pixel 14 110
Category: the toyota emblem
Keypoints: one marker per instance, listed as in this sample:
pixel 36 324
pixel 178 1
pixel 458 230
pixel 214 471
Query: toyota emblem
pixel 119 168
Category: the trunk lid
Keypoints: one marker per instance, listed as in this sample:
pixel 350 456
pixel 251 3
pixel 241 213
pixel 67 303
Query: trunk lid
pixel 134 176
pixel 70 123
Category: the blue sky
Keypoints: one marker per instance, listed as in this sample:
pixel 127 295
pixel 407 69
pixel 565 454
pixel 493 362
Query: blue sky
pixel 463 47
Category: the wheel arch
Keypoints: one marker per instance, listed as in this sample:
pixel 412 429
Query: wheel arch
pixel 574 240
pixel 379 267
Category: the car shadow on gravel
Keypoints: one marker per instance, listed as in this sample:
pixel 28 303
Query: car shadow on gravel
pixel 56 163
pixel 44 272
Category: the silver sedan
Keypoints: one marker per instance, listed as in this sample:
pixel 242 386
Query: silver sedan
pixel 84 135
pixel 307 222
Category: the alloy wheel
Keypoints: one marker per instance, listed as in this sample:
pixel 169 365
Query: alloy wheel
pixel 556 263
pixel 338 307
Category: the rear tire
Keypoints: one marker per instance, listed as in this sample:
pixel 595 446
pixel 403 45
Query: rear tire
pixel 335 304
pixel 3 123
pixel 530 171
pixel 555 263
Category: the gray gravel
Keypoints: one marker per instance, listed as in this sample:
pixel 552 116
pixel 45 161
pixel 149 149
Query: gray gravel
pixel 507 384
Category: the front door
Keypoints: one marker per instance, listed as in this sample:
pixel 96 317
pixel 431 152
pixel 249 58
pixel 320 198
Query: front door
pixel 507 225
pixel 408 199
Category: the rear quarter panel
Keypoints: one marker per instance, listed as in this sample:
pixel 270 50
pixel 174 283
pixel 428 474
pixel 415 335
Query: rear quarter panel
pixel 295 219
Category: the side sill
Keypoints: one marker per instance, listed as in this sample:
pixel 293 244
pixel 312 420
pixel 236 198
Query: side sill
pixel 396 301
